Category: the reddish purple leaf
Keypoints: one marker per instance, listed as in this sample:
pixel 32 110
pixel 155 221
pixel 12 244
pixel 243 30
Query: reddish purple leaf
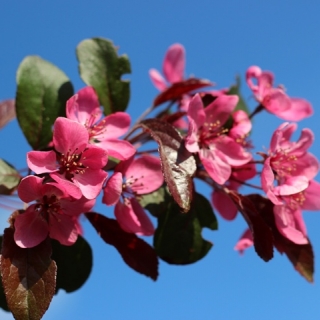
pixel 177 89
pixel 7 111
pixel 136 253
pixel 178 164
pixel 28 277
pixel 301 256
pixel 262 234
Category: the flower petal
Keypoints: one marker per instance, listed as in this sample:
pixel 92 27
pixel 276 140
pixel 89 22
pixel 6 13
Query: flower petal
pixel 113 189
pixel 63 228
pixel 157 79
pixel 30 228
pixel 132 218
pixel 69 136
pixel 174 63
pixel 42 161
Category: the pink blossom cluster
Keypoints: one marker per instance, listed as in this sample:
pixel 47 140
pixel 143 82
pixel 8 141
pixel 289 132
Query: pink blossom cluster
pixel 218 134
pixel 69 177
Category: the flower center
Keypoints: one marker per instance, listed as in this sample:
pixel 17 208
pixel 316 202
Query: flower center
pixel 283 164
pixel 49 205
pixel 70 164
pixel 210 131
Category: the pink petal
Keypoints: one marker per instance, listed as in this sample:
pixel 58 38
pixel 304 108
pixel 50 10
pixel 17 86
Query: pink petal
pixel 145 173
pixel 113 189
pixel 245 242
pixel 312 198
pixel 116 125
pixel 291 185
pixel 219 111
pixel 63 229
pixel 241 124
pixel 94 157
pixel 119 149
pixel 284 220
pixel 42 161
pixel 90 182
pixel 30 188
pixel 84 107
pixel 30 228
pixel 267 180
pixel 276 102
pixel 69 136
pixel 215 164
pixel 174 63
pixel 158 81
pixel 233 152
pixel 224 205
pixel 196 112
pixel 74 207
pixel 299 110
pixel 133 219
pixel 72 189
pixel 191 139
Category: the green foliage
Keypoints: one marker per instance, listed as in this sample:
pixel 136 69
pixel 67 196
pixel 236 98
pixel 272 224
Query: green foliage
pixel 42 92
pixel 9 178
pixel 102 68
pixel 74 264
pixel 178 238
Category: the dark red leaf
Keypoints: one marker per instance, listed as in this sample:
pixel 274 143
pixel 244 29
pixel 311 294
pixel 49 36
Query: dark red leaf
pixel 262 234
pixel 301 256
pixel 178 164
pixel 177 89
pixel 7 111
pixel 136 253
pixel 28 277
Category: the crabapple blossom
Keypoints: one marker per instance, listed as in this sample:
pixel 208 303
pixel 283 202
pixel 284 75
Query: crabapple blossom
pixel 84 107
pixel 132 178
pixel 173 68
pixel 206 136
pixel 245 241
pixel 288 163
pixel 54 213
pixel 288 217
pixel 74 163
pixel 275 100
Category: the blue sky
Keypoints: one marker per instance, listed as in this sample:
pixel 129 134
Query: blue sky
pixel 222 39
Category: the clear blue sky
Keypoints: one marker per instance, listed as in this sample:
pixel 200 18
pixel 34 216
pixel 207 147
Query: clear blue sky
pixel 222 39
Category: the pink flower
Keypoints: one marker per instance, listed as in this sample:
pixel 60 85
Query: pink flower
pixel 55 213
pixel 288 217
pixel 245 242
pixel 173 67
pixel 275 100
pixel 84 107
pixel 288 163
pixel 206 135
pixel 131 179
pixel 74 164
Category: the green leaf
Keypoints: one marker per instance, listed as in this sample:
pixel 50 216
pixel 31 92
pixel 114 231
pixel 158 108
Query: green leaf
pixel 42 92
pixel 74 264
pixel 102 68
pixel 9 178
pixel 178 238
pixel 28 277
